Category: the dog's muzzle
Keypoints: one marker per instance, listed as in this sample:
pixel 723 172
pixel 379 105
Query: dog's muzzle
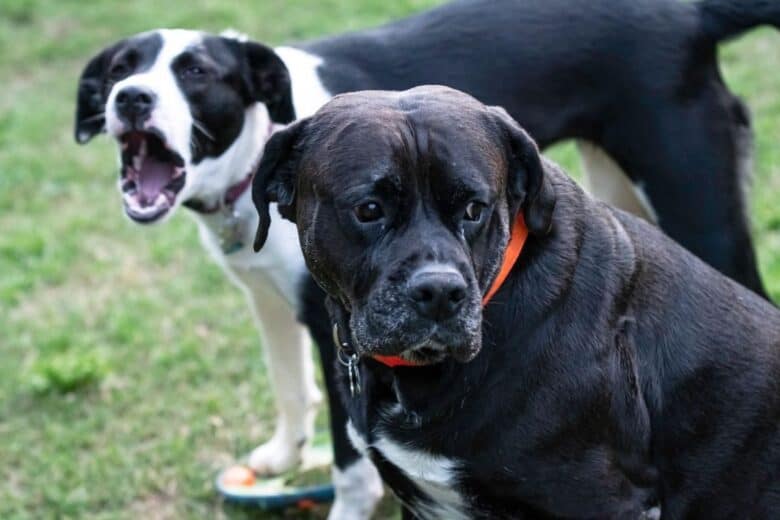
pixel 152 175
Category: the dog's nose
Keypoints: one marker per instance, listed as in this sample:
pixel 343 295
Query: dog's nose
pixel 135 104
pixel 437 295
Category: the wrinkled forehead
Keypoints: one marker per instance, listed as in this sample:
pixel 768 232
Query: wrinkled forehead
pixel 367 140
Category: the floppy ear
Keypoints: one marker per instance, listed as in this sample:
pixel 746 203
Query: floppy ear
pixel 268 81
pixel 276 176
pixel 527 180
pixel 91 99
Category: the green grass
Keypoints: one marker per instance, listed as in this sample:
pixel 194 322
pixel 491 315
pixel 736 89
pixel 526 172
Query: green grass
pixel 130 369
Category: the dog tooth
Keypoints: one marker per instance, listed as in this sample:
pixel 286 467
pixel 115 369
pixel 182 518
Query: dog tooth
pixel 142 149
pixel 177 172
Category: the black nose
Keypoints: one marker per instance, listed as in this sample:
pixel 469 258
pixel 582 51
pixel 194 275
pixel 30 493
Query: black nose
pixel 437 295
pixel 135 104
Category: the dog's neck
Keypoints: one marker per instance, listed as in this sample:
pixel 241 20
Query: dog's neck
pixel 223 180
pixel 221 200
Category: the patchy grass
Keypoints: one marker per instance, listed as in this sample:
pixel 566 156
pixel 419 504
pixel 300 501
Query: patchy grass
pixel 130 370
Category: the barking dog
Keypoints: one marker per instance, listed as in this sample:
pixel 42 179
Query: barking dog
pixel 611 372
pixel 191 113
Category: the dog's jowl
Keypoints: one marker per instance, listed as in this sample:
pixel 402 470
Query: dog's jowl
pixel 522 350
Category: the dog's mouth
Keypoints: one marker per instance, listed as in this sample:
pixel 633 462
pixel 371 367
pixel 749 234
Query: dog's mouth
pixel 427 353
pixel 435 348
pixel 152 175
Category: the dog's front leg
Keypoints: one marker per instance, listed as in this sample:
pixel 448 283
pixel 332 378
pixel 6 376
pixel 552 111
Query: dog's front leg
pixel 287 349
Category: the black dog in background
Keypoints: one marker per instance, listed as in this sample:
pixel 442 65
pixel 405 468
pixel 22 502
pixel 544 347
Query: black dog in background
pixel 637 78
pixel 612 371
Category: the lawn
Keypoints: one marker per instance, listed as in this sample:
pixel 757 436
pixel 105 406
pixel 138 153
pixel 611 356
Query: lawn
pixel 130 369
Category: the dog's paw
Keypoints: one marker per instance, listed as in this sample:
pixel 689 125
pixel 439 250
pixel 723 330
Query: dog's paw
pixel 276 456
pixel 358 491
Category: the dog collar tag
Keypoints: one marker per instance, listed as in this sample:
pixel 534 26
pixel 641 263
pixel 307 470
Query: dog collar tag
pixel 351 362
pixel 231 232
pixel 348 360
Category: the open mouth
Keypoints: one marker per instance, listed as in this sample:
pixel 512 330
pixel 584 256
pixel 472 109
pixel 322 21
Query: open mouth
pixel 152 175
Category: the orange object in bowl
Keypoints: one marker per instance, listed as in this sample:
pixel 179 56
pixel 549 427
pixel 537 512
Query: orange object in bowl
pixel 238 476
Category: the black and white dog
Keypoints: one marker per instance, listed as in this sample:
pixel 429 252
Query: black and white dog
pixel 639 79
pixel 612 371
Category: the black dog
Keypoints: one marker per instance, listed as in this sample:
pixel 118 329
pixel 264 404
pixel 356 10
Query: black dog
pixel 612 371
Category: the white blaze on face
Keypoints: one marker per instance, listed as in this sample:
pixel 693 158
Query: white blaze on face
pixel 171 114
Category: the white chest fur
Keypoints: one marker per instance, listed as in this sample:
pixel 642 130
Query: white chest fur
pixel 280 263
pixel 434 475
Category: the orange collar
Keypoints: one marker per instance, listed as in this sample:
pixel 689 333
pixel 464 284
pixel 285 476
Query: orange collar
pixel 512 253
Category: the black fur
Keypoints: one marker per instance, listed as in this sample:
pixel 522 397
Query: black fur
pixel 724 19
pixel 131 55
pixel 616 371
pixel 236 75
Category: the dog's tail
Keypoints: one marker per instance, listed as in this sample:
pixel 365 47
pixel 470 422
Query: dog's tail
pixel 723 19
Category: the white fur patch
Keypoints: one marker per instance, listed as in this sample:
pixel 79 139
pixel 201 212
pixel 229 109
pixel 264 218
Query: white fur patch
pixel 358 442
pixel 358 490
pixel 308 92
pixel 434 475
pixel 234 34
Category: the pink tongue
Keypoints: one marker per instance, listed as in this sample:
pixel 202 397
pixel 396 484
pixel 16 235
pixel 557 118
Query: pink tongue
pixel 152 178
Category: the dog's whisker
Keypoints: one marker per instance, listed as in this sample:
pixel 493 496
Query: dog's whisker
pixel 96 117
pixel 202 129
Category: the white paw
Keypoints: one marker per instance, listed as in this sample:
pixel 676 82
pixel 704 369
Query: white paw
pixel 358 491
pixel 276 456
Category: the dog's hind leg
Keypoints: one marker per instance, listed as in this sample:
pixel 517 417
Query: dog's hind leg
pixel 287 349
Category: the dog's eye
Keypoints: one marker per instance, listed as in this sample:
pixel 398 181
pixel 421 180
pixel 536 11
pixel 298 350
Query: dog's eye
pixel 369 212
pixel 193 71
pixel 119 70
pixel 474 211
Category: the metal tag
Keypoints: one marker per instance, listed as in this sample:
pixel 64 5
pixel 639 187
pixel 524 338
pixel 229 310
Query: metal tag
pixel 354 375
pixel 351 362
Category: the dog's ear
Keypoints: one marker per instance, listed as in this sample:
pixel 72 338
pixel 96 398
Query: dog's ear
pixel 91 97
pixel 528 184
pixel 276 177
pixel 268 81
